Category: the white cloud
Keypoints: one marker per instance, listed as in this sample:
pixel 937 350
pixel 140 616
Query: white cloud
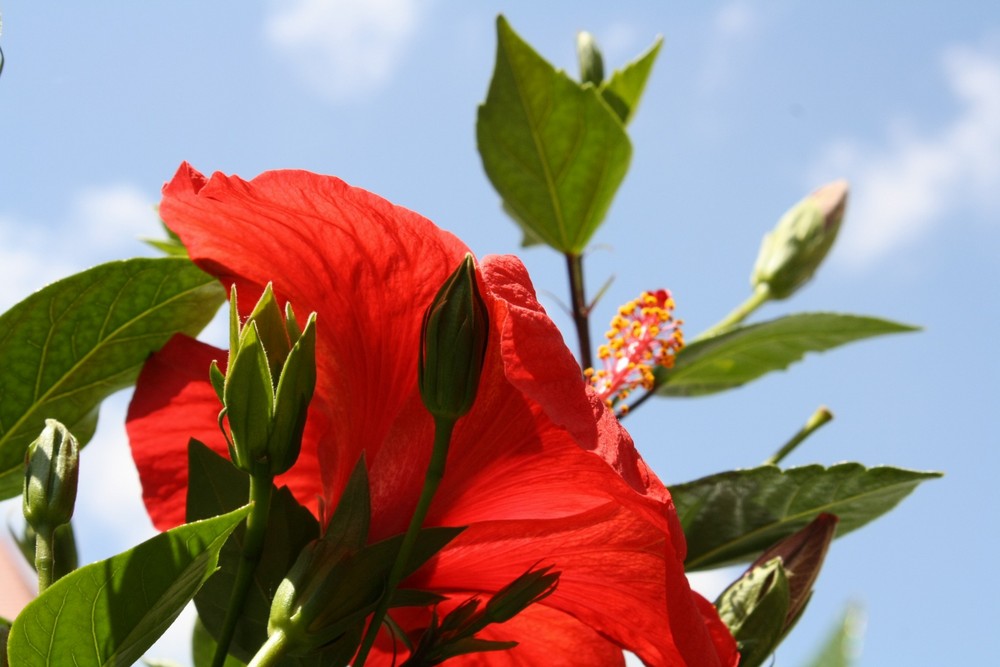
pixel 344 48
pixel 900 191
pixel 101 224
pixel 115 213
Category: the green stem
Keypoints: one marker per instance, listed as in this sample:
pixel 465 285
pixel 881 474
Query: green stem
pixel 820 417
pixel 760 295
pixel 443 427
pixel 44 537
pixel 272 651
pixel 253 545
pixel 580 308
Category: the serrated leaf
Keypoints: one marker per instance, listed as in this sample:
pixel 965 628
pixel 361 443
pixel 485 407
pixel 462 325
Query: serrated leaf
pixel 67 347
pixel 733 516
pixel 111 612
pixel 842 646
pixel 624 89
pixel 214 486
pixel 553 149
pixel 745 353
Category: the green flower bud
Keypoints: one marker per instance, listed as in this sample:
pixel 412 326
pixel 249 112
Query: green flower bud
pixel 531 587
pixel 52 468
pixel 453 345
pixel 802 554
pixel 267 387
pixel 794 249
pixel 591 60
pixel 762 606
pixel 312 606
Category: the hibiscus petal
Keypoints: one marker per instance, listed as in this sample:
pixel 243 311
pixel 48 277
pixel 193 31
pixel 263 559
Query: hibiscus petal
pixel 545 636
pixel 367 267
pixel 174 402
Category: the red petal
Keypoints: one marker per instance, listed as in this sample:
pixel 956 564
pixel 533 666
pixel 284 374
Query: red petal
pixel 545 636
pixel 368 267
pixel 174 402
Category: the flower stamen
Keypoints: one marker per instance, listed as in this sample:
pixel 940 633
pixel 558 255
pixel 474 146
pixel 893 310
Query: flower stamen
pixel 643 335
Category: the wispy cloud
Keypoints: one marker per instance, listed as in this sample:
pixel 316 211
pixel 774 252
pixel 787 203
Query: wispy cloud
pixel 344 49
pixel 100 224
pixel 915 180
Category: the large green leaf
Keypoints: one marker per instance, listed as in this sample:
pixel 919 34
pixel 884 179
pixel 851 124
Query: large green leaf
pixel 553 148
pixel 624 89
pixel 745 353
pixel 733 516
pixel 67 347
pixel 110 612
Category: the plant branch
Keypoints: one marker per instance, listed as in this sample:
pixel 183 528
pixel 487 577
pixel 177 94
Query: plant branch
pixel 580 309
pixel 253 545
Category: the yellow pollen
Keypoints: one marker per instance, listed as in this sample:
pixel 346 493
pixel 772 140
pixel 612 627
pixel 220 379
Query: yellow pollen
pixel 643 335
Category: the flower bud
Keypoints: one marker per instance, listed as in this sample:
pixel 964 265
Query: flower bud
pixel 531 587
pixel 52 467
pixel 267 386
pixel 762 605
pixel 794 249
pixel 453 345
pixel 802 554
pixel 591 60
pixel 310 606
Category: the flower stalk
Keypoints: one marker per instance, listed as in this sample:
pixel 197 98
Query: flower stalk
pixel 580 309
pixel 452 351
pixel 265 394
pixel 817 420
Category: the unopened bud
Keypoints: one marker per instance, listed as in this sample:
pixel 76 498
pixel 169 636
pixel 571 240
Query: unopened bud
pixel 762 605
pixel 453 344
pixel 591 60
pixel 52 468
pixel 802 555
pixel 794 249
pixel 267 386
pixel 531 587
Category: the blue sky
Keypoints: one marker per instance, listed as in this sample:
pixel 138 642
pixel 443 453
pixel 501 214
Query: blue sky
pixel 750 106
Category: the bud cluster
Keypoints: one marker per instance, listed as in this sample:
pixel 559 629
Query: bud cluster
pixel 267 386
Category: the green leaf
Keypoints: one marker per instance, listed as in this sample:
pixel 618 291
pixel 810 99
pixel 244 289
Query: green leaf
pixel 745 353
pixel 110 612
pixel 214 486
pixel 843 644
pixel 624 89
pixel 553 149
pixel 67 347
pixel 171 245
pixel 733 516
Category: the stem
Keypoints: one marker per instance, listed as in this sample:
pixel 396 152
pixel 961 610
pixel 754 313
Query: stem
pixel 443 427
pixel 44 537
pixel 580 309
pixel 272 651
pixel 820 417
pixel 760 295
pixel 253 545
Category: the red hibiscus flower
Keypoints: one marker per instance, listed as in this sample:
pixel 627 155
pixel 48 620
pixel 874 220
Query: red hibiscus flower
pixel 540 471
